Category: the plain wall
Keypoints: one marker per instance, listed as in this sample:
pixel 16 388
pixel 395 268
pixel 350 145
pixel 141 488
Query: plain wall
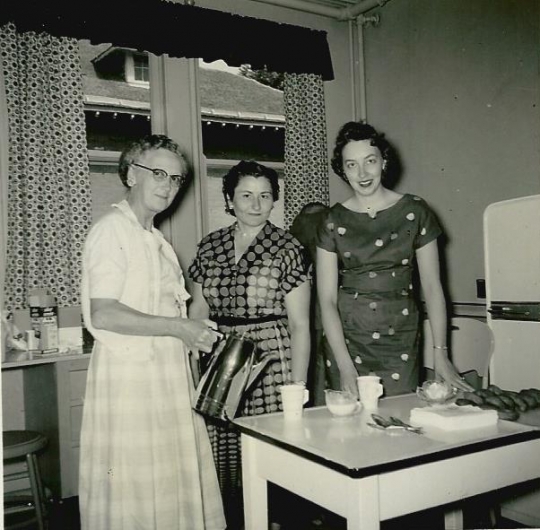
pixel 454 84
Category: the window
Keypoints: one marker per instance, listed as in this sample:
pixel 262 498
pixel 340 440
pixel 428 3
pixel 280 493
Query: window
pixel 135 68
pixel 242 119
pixel 117 112
pixel 140 67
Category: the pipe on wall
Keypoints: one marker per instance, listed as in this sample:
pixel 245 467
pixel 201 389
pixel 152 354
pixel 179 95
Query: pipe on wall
pixel 358 70
pixel 339 13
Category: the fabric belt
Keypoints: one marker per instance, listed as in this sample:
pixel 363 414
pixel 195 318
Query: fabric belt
pixel 388 280
pixel 225 320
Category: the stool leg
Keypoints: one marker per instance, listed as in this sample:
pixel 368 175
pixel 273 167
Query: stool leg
pixel 37 489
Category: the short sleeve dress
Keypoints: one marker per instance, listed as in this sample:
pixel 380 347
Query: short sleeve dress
pixel 376 298
pixel 248 297
pixel 145 457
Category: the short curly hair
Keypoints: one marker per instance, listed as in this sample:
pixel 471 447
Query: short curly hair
pixel 354 131
pixel 247 168
pixel 152 142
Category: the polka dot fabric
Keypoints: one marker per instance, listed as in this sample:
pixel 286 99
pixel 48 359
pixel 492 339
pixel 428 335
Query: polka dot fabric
pixel 306 155
pixel 256 286
pixel 49 197
pixel 376 300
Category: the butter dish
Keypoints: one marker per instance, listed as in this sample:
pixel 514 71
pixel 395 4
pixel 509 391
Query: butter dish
pixel 453 417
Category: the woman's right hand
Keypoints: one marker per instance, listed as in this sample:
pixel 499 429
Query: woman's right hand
pixel 198 334
pixel 348 377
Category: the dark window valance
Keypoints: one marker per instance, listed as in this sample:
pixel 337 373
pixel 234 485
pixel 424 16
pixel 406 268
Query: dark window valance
pixel 178 30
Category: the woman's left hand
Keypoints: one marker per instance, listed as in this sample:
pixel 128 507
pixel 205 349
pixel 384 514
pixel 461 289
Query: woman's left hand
pixel 446 371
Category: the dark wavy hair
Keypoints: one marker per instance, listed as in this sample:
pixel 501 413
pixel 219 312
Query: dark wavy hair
pixel 247 168
pixel 152 142
pixel 356 130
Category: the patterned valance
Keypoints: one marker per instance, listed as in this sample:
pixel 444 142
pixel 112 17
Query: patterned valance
pixel 179 30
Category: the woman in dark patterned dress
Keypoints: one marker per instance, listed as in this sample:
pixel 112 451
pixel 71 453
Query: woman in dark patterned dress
pixel 253 277
pixel 366 252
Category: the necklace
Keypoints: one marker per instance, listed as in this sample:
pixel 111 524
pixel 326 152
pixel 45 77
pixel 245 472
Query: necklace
pixel 371 212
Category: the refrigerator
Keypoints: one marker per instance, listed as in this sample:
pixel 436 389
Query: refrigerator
pixel 512 270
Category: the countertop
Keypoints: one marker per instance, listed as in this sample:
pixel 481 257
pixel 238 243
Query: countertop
pixel 21 359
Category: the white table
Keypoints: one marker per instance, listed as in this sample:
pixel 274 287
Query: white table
pixel 368 475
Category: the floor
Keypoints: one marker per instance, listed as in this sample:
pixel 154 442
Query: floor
pixel 303 515
pixel 62 516
pixel 306 516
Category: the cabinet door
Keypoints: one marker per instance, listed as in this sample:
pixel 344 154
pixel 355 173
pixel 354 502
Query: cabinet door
pixel 41 414
pixel 71 385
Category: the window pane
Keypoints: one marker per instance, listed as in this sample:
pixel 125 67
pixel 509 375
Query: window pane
pixel 141 67
pixel 116 114
pixel 242 120
pixel 106 189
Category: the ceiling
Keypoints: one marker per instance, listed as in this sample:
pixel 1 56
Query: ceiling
pixel 333 3
pixel 339 9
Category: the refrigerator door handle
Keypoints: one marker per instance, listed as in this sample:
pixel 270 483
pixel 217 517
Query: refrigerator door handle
pixel 516 311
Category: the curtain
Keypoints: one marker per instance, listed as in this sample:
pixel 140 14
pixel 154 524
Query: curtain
pixel 49 197
pixel 180 31
pixel 306 157
pixel 4 148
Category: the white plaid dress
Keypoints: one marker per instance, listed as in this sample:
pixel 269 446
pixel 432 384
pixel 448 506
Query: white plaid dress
pixel 146 462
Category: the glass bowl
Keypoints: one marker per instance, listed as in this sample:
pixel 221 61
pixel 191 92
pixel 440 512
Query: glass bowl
pixel 436 392
pixel 341 403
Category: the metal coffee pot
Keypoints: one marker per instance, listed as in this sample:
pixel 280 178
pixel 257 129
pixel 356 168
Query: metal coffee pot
pixel 232 369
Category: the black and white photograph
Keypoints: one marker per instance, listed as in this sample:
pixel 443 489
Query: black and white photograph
pixel 270 264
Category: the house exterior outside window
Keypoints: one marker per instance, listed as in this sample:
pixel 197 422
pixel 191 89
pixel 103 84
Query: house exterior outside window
pixel 240 119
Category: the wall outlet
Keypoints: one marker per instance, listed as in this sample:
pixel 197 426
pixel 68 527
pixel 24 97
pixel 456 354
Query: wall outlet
pixel 481 288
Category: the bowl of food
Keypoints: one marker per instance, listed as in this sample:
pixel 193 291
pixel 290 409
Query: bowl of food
pixel 341 403
pixel 436 392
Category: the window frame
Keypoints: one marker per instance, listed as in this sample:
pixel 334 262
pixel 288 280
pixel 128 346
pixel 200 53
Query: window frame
pixel 130 69
pixel 176 111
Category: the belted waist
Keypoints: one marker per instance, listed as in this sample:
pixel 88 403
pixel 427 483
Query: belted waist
pixel 226 320
pixel 381 281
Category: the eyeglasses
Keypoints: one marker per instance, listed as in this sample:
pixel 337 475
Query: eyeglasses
pixel 160 175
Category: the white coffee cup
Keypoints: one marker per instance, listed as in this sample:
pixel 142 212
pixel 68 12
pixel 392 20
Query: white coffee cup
pixel 370 390
pixel 293 397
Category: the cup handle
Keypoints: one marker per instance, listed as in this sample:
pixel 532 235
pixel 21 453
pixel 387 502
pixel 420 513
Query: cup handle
pixel 379 390
pixel 306 395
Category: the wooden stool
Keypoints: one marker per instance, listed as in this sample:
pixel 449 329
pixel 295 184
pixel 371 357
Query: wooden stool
pixel 25 445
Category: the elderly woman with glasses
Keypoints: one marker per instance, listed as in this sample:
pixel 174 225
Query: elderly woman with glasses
pixel 146 460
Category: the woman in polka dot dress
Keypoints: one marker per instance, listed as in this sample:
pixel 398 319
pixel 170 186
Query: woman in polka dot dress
pixel 366 252
pixel 252 277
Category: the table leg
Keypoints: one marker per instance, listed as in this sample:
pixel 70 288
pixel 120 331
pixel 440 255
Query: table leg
pixel 363 512
pixel 453 520
pixel 254 488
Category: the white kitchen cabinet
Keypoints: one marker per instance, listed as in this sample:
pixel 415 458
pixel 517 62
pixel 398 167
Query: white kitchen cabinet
pixel 53 400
